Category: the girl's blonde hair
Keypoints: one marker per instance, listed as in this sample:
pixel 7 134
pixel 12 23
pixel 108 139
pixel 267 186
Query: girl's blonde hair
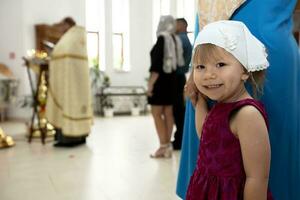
pixel 209 52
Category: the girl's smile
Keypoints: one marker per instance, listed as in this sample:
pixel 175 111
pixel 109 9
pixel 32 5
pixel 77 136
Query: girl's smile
pixel 212 86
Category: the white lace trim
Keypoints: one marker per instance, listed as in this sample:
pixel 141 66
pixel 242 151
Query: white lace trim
pixel 254 68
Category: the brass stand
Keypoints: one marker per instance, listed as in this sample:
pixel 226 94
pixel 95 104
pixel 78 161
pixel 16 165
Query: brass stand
pixel 35 132
pixel 5 141
pixel 43 128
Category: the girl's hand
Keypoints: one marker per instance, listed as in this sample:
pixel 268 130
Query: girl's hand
pixel 191 91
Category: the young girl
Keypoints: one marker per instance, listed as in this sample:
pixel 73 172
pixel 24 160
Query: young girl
pixel 234 158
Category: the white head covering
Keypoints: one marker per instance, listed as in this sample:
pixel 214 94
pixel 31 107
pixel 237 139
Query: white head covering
pixel 173 53
pixel 167 24
pixel 235 38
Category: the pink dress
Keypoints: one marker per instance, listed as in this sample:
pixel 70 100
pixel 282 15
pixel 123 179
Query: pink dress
pixel 219 174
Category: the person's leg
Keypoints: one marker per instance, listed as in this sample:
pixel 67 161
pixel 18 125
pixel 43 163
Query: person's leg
pixel 159 121
pixel 179 111
pixel 161 129
pixel 169 122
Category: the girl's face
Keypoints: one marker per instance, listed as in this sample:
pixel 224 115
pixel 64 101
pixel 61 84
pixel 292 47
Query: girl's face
pixel 221 77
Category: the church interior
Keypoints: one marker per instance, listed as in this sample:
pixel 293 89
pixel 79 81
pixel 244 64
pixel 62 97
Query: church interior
pixel 114 163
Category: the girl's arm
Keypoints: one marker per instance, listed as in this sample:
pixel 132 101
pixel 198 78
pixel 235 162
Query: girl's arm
pixel 200 114
pixel 190 89
pixel 152 80
pixel 250 127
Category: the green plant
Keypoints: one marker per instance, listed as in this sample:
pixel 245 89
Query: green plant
pixel 107 102
pixel 26 101
pixel 99 80
pixel 95 74
pixel 136 102
pixel 106 81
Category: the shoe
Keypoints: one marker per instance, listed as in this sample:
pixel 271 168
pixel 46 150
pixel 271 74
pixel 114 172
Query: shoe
pixel 61 144
pixel 69 144
pixel 164 151
pixel 176 146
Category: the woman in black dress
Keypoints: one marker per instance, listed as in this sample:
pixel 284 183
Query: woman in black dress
pixel 165 55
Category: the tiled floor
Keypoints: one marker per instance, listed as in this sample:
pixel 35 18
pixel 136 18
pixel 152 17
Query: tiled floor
pixel 114 165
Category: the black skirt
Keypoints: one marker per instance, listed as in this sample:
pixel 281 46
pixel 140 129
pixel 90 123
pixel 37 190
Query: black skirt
pixel 163 90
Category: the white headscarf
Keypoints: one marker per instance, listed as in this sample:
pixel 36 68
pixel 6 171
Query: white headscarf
pixel 173 54
pixel 235 37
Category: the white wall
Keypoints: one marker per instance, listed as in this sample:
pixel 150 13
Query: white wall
pixel 51 11
pixel 17 20
pixel 140 39
pixel 11 34
pixel 12 41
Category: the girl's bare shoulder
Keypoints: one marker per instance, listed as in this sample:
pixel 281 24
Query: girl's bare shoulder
pixel 248 119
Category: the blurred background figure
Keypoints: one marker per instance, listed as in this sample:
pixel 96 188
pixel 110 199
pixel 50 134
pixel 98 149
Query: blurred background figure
pixel 69 106
pixel 166 55
pixel 179 103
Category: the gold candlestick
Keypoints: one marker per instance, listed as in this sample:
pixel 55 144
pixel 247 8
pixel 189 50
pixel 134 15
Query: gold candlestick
pixel 5 140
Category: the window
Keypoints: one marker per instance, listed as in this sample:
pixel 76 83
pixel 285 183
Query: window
pixel 160 7
pixel 118 49
pixel 120 27
pixel 93 48
pixel 164 7
pixel 187 10
pixel 95 26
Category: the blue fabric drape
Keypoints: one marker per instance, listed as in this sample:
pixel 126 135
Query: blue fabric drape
pixel 281 98
pixel 190 139
pixel 189 151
